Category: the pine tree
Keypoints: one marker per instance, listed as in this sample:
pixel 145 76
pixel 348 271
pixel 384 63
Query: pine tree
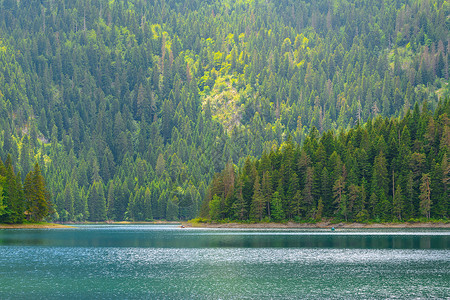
pixel 443 202
pixel 308 189
pixel 30 195
pixel 240 206
pixel 257 207
pixel 172 209
pixel 398 203
pixel 277 208
pixel 384 208
pixel 3 208
pixel 214 208
pixel 380 180
pixel 96 202
pixel 425 196
pixel 359 207
pixel 36 195
pixel 319 209
pixel 148 215
pixel 14 204
pixel 340 197
pixel 267 191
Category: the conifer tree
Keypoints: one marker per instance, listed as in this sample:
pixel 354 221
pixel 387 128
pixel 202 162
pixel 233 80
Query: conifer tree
pixel 257 207
pixel 359 211
pixel 172 209
pixel 96 202
pixel 239 207
pixel 14 202
pixel 398 203
pixel 36 195
pixel 267 191
pixel 277 208
pixel 214 208
pixel 319 209
pixel 3 207
pixel 340 197
pixel 425 196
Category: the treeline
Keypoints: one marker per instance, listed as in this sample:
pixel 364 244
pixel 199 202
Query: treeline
pixel 388 169
pixel 131 106
pixel 30 201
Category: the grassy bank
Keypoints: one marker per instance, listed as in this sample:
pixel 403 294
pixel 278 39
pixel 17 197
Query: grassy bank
pixel 40 225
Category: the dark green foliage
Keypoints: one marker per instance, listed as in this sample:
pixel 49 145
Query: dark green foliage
pixel 37 197
pixel 96 202
pixel 28 202
pixel 401 196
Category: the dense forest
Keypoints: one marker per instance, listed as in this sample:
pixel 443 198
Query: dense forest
pixel 30 201
pixel 388 169
pixel 131 106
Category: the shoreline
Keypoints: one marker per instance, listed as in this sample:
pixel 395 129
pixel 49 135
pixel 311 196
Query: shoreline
pixel 34 226
pixel 319 225
pixel 288 225
pixel 158 222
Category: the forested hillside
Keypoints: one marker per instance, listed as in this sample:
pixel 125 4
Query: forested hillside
pixel 131 106
pixel 389 169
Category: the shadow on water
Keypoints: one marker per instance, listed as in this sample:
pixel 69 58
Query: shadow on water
pixel 148 236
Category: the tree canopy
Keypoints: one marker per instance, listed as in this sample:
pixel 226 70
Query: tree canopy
pixel 385 170
pixel 130 107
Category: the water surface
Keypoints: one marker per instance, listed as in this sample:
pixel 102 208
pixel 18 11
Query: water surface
pixel 167 262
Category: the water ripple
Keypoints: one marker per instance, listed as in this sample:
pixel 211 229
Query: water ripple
pixel 45 271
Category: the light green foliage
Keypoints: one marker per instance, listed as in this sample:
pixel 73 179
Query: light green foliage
pixel 277 208
pixel 214 208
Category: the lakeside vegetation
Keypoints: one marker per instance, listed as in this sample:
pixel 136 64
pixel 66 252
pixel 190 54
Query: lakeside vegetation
pixel 27 202
pixel 130 107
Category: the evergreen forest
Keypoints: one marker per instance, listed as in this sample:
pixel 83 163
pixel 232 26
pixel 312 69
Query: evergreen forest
pixel 246 109
pixel 386 170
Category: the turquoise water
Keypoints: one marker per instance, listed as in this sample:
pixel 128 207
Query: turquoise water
pixel 167 262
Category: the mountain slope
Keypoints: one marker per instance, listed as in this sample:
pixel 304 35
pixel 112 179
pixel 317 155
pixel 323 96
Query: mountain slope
pixel 130 106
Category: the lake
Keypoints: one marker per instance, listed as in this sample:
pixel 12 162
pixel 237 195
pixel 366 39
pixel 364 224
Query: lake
pixel 168 262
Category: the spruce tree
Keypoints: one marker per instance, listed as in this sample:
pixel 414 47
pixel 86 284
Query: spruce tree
pixel 425 196
pixel 239 206
pixel 172 209
pixel 257 207
pixel 13 201
pixel 277 208
pixel 398 203
pixel 96 202
pixel 37 197
pixel 214 208
pixel 3 207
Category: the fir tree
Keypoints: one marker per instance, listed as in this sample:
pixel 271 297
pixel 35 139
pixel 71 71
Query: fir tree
pixel 172 209
pixel 257 207
pixel 425 196
pixel 397 205
pixel 96 202
pixel 277 208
